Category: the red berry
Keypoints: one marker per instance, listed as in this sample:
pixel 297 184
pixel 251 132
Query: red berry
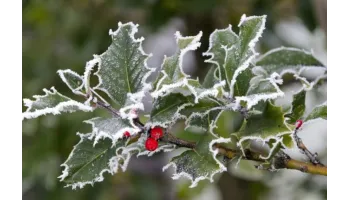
pixel 156 133
pixel 298 124
pixel 126 134
pixel 151 144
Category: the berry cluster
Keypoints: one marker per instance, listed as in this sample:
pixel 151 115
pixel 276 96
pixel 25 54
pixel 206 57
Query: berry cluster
pixel 151 143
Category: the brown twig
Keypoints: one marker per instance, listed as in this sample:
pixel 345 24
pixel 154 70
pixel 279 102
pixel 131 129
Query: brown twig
pixel 312 157
pixel 283 161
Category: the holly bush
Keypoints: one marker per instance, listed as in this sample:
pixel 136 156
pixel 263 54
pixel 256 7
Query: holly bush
pixel 239 82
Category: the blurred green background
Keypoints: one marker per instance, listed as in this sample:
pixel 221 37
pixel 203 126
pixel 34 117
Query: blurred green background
pixel 60 34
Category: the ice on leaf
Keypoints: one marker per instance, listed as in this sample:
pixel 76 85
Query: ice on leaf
pixel 166 110
pixel 262 89
pixel 298 107
pixel 172 78
pixel 233 54
pixel 112 128
pixel 51 103
pixel 87 163
pixel 199 164
pixel 202 114
pixel 122 69
pixel 73 80
pixel 288 60
pixel 319 112
pixel 269 125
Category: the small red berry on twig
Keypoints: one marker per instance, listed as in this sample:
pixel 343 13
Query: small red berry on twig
pixel 156 133
pixel 126 134
pixel 151 144
pixel 298 124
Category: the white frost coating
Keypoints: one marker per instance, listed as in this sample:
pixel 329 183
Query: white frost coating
pixel 208 53
pixel 136 104
pixel 319 118
pixel 290 70
pixel 191 47
pixel 275 145
pixel 114 136
pixel 259 71
pixel 251 45
pixel 165 124
pixel 88 68
pixel 255 98
pixel 259 138
pixel 145 86
pixel 242 20
pixel 54 110
pixel 164 89
pixel 210 177
pixel 112 168
pixel 63 77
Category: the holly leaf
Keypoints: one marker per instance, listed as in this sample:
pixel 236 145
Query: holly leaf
pixel 122 69
pixel 318 112
pixel 87 162
pixel 232 54
pixel 298 107
pixel 202 114
pixel 172 75
pixel 52 103
pixel 269 125
pixel 73 80
pixel 262 89
pixel 211 78
pixel 166 109
pixel 112 128
pixel 199 164
pixel 287 60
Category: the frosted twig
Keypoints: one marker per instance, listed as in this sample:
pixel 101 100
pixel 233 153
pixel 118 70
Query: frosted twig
pixel 312 157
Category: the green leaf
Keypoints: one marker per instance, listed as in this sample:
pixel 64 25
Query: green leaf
pixel 51 103
pixel 112 128
pixel 211 78
pixel 262 89
pixel 270 124
pixel 202 114
pixel 172 75
pixel 232 54
pixel 287 60
pixel 73 80
pixel 87 163
pixel 200 164
pixel 166 110
pixel 298 107
pixel 318 112
pixel 122 68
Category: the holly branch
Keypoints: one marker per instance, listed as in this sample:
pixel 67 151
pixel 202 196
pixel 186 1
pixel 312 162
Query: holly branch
pixel 280 161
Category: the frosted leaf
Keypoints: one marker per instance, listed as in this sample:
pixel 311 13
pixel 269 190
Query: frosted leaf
pixel 166 110
pixel 73 80
pixel 172 78
pixel 122 69
pixel 200 164
pixel 51 103
pixel 288 60
pixel 202 114
pixel 87 163
pixel 270 125
pixel 232 54
pixel 319 112
pixel 112 128
pixel 298 107
pixel 262 89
